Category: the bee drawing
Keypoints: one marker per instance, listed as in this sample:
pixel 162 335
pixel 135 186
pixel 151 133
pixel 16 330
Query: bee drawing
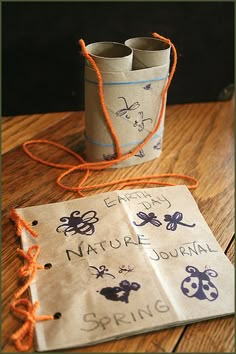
pixel 78 224
pixel 198 284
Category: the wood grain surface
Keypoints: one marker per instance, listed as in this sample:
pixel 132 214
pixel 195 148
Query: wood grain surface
pixel 198 141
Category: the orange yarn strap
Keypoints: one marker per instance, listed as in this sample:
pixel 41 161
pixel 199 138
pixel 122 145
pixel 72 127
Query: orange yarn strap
pixel 30 268
pixel 20 223
pixel 102 99
pixel 23 337
pixel 102 165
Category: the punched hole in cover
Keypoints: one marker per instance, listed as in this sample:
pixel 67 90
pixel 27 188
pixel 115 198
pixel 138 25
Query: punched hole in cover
pixel 47 265
pixel 57 315
pixel 35 222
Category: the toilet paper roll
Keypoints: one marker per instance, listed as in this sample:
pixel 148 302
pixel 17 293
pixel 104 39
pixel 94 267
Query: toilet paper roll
pixel 111 56
pixel 148 52
pixel 133 100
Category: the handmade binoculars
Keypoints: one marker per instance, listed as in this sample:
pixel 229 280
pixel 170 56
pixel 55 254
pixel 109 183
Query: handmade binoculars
pixel 134 75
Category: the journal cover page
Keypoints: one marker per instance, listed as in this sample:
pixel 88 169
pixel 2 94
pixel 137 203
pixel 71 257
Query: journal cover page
pixel 125 262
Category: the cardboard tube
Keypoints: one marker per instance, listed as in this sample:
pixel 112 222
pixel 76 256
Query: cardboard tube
pixel 111 56
pixel 133 99
pixel 148 52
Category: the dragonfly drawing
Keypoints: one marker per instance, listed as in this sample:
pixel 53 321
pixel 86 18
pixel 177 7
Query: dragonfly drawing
pixel 175 220
pixel 126 109
pixel 150 217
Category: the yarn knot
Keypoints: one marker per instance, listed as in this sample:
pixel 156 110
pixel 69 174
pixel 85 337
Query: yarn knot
pixel 20 223
pixel 30 268
pixel 23 337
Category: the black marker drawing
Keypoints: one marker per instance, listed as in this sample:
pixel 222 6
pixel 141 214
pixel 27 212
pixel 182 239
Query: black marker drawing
pixel 110 157
pixel 140 122
pixel 157 146
pixel 121 292
pixel 150 217
pixel 126 270
pixel 102 271
pixel 199 285
pixel 78 224
pixel 174 220
pixel 147 87
pixel 127 108
pixel 140 153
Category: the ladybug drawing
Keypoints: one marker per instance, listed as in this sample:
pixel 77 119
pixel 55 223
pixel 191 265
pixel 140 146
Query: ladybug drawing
pixel 78 224
pixel 198 284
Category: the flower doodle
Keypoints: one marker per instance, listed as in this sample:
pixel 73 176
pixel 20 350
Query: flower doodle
pixel 140 122
pixel 121 292
pixel 174 220
pixel 150 217
pixel 199 285
pixel 102 271
pixel 78 224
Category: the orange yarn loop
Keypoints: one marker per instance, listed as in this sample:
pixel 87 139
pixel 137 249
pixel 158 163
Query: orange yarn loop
pixel 30 268
pixel 23 337
pixel 102 165
pixel 102 99
pixel 26 332
pixel 20 223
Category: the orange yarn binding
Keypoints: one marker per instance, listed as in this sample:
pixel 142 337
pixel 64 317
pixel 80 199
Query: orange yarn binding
pixel 30 268
pixel 26 332
pixel 102 165
pixel 20 223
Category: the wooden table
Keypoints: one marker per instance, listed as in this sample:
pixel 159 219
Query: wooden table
pixel 198 141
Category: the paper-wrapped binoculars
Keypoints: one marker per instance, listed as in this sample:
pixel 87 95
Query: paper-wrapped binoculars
pixel 134 75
